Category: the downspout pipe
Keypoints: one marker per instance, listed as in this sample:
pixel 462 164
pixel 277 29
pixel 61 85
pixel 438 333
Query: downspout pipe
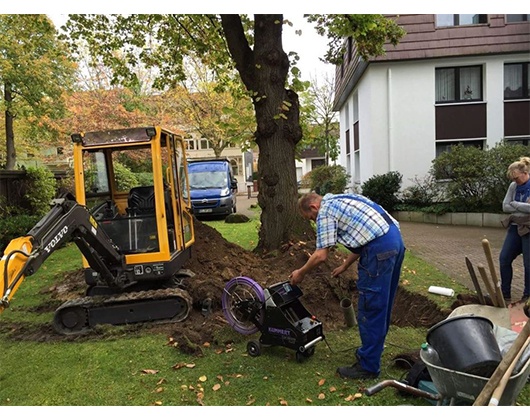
pixel 390 144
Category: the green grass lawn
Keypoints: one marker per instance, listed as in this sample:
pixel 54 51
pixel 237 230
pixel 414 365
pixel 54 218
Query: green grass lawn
pixel 138 367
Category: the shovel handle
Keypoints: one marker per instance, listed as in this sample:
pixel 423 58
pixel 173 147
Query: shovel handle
pixel 496 284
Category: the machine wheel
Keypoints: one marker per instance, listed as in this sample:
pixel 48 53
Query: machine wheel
pixel 253 348
pixel 179 279
pixel 303 355
pixel 300 357
pixel 70 320
pixel 239 293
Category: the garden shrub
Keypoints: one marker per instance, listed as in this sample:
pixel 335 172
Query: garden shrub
pixel 14 227
pixel 383 189
pixel 125 178
pixel 328 179
pixel 475 178
pixel 41 187
pixel 499 158
pixel 424 192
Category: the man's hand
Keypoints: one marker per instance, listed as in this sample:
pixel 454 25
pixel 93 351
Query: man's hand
pixel 345 265
pixel 339 270
pixel 296 277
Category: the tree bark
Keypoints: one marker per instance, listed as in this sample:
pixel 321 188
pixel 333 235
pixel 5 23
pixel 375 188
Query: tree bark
pixel 11 156
pixel 264 73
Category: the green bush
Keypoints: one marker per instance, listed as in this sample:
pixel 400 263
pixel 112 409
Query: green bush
pixel 499 158
pixel 66 184
pixel 14 227
pixel 383 189
pixel 125 178
pixel 40 189
pixel 475 178
pixel 8 210
pixel 424 192
pixel 328 179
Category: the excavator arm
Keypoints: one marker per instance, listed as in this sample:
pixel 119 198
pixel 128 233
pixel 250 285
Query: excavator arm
pixel 67 220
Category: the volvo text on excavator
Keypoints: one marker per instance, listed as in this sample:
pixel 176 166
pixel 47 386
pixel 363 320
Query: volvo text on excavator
pixel 134 240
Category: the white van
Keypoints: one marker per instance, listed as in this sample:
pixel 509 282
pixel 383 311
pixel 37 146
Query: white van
pixel 213 187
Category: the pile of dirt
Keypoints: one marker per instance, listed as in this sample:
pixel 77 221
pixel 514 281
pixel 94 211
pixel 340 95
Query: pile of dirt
pixel 215 261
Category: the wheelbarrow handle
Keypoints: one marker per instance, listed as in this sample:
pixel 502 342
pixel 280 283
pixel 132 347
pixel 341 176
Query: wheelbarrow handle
pixel 402 387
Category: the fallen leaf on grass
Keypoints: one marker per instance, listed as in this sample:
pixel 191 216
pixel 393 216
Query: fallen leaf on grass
pixel 158 402
pixel 251 400
pixel 206 344
pixel 321 396
pixel 159 390
pixel 216 387
pixel 321 382
pixel 182 364
pixel 283 402
pixel 161 381
pixel 353 397
pixel 332 389
pixel 203 378
pixel 149 371
pixel 309 400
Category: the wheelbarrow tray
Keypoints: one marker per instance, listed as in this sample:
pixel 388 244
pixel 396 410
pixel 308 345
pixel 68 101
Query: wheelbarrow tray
pixel 466 387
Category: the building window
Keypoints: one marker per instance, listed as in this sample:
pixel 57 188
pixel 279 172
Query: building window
pixel 315 163
pixel 459 84
pixel 205 144
pixel 523 141
pixel 516 81
pixel 459 20
pixel 235 167
pixel 446 146
pixel 517 18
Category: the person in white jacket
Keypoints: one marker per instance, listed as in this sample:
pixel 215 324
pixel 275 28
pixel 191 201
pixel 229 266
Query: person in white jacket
pixel 517 240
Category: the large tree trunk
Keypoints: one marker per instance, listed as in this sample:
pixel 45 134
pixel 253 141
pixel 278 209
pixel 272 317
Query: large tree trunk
pixel 11 157
pixel 264 73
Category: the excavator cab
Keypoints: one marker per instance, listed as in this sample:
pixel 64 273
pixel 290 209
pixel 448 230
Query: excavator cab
pixel 134 182
pixel 131 219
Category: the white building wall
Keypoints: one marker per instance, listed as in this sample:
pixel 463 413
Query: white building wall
pixel 397 115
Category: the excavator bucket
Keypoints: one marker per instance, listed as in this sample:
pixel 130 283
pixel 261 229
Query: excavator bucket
pixel 11 268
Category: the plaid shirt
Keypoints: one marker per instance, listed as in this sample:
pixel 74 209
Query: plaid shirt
pixel 350 220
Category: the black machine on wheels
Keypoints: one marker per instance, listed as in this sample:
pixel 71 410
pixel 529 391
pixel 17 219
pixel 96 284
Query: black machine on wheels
pixel 276 312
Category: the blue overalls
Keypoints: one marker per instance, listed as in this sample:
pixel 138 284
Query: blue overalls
pixel 379 269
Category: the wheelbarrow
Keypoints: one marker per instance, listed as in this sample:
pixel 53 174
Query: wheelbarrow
pixel 454 387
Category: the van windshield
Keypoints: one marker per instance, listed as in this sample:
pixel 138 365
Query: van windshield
pixel 206 180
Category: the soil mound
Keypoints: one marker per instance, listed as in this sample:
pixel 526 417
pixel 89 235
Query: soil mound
pixel 215 261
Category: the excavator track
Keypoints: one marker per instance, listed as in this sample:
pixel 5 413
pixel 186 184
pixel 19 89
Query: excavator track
pixel 161 306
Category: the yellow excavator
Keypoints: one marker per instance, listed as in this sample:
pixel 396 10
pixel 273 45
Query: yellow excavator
pixel 135 232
